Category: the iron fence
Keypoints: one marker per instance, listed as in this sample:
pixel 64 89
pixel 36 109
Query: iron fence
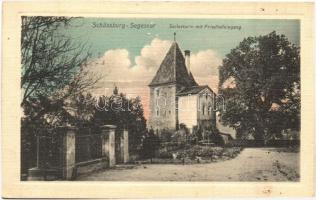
pixel 49 149
pixel 88 145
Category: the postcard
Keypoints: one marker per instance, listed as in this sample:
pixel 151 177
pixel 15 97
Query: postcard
pixel 136 100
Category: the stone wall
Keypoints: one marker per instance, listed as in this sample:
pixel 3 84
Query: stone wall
pixel 162 108
pixel 69 168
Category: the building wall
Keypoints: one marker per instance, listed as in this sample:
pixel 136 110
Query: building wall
pixel 188 110
pixel 162 114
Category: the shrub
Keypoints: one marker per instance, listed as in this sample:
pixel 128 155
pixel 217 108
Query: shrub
pixel 165 135
pixel 165 155
pixel 208 152
pixel 150 145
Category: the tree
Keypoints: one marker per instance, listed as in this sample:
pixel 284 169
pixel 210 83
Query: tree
pixel 123 112
pixel 53 74
pixel 260 82
pixel 52 65
pixel 151 144
pixel 76 111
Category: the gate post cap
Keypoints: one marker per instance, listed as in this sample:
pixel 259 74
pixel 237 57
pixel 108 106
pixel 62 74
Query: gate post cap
pixel 66 128
pixel 108 127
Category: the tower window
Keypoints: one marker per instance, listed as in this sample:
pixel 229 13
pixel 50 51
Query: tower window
pixel 157 92
pixel 203 109
pixel 157 112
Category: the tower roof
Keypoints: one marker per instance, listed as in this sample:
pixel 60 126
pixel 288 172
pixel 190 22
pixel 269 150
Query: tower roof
pixel 194 90
pixel 173 69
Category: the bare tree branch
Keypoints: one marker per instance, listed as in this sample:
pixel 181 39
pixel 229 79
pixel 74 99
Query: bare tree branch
pixel 50 60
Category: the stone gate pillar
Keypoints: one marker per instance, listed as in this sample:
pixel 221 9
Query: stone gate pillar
pixel 125 146
pixel 108 143
pixel 68 152
pixel 67 157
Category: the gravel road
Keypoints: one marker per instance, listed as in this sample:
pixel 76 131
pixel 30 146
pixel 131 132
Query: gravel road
pixel 253 164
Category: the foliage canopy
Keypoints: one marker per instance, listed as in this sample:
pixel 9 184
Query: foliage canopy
pixel 260 82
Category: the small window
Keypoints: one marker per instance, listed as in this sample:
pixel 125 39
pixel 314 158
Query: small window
pixel 157 112
pixel 157 92
pixel 203 109
pixel 169 112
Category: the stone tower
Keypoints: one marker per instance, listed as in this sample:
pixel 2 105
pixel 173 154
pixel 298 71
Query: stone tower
pixel 171 77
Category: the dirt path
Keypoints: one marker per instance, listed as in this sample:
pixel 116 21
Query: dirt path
pixel 253 164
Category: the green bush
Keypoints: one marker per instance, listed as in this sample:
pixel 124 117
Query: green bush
pixel 165 155
pixel 207 152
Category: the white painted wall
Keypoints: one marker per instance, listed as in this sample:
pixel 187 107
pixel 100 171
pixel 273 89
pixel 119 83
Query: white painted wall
pixel 206 99
pixel 187 110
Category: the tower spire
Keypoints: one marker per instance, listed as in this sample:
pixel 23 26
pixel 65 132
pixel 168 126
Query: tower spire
pixel 174 36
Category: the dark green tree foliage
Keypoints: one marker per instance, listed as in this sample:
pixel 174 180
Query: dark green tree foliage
pixel 76 111
pixel 151 144
pixel 264 95
pixel 124 113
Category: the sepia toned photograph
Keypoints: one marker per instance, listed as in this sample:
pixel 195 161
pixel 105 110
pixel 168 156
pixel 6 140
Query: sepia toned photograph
pixel 107 99
pixel 146 100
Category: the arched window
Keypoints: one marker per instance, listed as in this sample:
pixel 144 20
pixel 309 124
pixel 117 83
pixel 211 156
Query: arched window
pixel 209 109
